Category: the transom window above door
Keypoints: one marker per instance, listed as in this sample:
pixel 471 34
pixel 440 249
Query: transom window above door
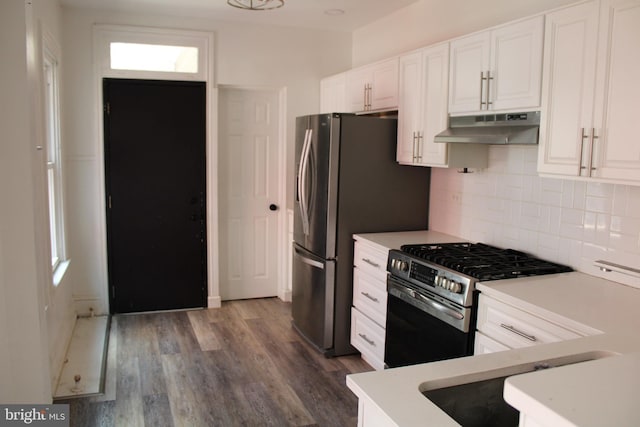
pixel 153 53
pixel 152 57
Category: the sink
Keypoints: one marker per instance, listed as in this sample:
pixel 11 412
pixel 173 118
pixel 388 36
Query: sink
pixel 476 400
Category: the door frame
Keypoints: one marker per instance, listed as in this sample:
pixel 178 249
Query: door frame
pixel 283 244
pixel 103 35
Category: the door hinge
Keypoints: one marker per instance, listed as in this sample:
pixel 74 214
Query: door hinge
pixel 107 108
pixel 109 202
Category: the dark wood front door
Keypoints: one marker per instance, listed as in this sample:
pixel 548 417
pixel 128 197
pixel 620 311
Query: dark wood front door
pixel 155 165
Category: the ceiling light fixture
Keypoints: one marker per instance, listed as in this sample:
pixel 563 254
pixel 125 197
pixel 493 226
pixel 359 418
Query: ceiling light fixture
pixel 256 4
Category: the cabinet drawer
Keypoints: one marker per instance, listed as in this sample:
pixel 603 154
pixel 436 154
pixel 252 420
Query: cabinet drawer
pixel 516 328
pixel 483 345
pixel 368 337
pixel 371 260
pixel 370 296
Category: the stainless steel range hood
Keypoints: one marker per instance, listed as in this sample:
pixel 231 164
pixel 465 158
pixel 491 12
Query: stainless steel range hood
pixel 507 128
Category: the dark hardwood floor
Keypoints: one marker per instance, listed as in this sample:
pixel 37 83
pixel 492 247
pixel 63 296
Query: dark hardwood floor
pixel 239 365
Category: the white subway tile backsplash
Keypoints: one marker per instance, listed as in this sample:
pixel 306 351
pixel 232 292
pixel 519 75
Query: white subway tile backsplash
pixel 599 189
pixel 620 197
pixel 566 221
pixel 579 194
pixel 598 204
pixel 633 202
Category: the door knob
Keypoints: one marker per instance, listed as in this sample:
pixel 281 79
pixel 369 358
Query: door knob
pixel 273 207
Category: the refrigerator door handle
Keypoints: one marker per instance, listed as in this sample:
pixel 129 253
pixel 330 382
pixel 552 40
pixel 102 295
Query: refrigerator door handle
pixel 308 261
pixel 302 179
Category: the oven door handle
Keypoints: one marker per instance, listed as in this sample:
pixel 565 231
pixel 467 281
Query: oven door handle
pixel 441 308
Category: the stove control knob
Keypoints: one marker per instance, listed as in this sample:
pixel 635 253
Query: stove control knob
pixel 437 280
pixel 455 287
pixel 394 264
pixel 445 283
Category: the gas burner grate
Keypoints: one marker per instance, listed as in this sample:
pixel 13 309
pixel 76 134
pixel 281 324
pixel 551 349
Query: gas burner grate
pixel 484 262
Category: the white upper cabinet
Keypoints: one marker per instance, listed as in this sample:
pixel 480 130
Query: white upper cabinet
pixel 333 94
pixel 497 70
pixel 591 91
pixel 568 88
pixel 373 87
pixel 422 113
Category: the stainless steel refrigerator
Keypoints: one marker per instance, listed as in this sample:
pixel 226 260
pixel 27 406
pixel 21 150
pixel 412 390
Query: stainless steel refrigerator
pixel 347 182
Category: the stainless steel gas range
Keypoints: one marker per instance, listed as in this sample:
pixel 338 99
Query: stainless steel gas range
pixel 432 300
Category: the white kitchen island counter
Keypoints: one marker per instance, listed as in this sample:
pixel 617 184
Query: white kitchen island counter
pixel 603 307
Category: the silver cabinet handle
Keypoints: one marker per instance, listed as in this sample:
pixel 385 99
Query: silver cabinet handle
pixel 366 294
pixel 415 156
pixel 489 78
pixel 593 138
pixel 517 332
pixel 365 96
pixel 482 79
pixel 368 261
pixel 369 341
pixel 420 140
pixel 583 137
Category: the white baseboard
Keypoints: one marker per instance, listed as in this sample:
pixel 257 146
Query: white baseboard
pixel 285 296
pixel 214 302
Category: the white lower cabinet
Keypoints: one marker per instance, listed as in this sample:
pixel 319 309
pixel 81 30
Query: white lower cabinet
pixel 502 327
pixel 369 311
pixel 483 344
pixel 369 415
pixel 368 337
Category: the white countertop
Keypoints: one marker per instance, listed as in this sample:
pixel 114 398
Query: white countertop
pixel 606 310
pixel 594 394
pixel 386 241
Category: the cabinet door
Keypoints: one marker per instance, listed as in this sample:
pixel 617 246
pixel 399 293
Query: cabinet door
pixel 516 65
pixel 358 80
pixel 435 89
pixel 568 88
pixel 384 85
pixel 617 144
pixel 469 58
pixel 410 95
pixel 333 94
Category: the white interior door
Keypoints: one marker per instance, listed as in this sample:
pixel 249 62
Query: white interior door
pixel 249 183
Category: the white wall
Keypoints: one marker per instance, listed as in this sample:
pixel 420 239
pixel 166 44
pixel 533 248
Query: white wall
pixel 24 361
pixel 250 55
pixel 509 205
pixel 61 314
pixel 430 21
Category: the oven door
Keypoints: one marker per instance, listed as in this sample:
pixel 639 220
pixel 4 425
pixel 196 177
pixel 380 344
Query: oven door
pixel 423 327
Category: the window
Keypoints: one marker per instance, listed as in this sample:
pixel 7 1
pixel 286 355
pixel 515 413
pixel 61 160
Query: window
pixel 152 53
pixel 151 57
pixel 54 164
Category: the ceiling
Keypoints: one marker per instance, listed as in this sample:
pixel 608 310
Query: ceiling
pixel 297 13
